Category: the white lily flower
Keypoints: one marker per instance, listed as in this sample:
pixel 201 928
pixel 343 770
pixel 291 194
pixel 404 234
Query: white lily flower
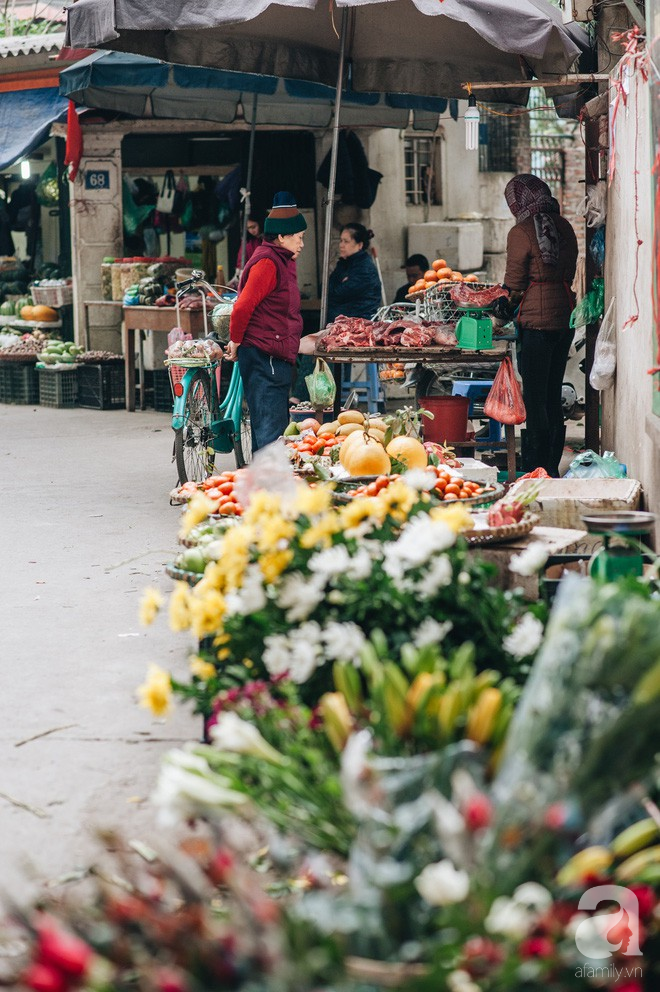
pixel 533 897
pixel 231 733
pixel 299 595
pixel 441 884
pixel 431 632
pixel 187 788
pixel 277 654
pixel 343 642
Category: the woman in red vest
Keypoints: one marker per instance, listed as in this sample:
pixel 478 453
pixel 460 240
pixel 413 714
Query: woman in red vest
pixel 266 323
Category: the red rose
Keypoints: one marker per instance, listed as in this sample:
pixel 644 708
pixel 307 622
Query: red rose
pixel 62 950
pixel 536 947
pixel 477 811
pixel 646 899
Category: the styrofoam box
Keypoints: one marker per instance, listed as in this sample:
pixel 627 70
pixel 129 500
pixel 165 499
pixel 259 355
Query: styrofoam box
pixel 474 470
pixel 561 502
pixel 460 243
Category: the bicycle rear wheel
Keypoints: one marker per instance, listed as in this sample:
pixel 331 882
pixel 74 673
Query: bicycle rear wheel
pixel 243 439
pixel 193 443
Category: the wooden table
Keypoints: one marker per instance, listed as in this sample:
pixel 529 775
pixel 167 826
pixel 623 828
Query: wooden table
pixel 433 355
pixel 159 320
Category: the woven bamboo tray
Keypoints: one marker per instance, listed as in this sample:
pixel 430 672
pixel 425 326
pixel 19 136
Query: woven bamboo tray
pixel 499 535
pixel 181 575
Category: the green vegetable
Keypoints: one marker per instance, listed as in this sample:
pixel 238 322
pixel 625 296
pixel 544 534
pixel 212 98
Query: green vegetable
pixel 292 430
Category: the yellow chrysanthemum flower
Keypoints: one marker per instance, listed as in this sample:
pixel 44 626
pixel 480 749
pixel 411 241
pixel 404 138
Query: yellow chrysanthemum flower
pixel 204 670
pixel 455 516
pixel 397 500
pixel 362 508
pixel 273 563
pixel 180 607
pixel 199 508
pixel 320 532
pixel 312 502
pixel 206 613
pixel 262 504
pixel 152 600
pixel 156 693
pixel 273 530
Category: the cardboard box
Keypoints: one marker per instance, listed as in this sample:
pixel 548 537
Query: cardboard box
pixel 561 502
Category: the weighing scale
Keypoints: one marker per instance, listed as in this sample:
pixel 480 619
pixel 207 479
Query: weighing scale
pixel 474 330
pixel 626 557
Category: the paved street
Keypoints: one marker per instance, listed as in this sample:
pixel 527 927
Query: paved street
pixel 86 526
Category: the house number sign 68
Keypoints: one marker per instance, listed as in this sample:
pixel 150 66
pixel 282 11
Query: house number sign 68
pixel 97 179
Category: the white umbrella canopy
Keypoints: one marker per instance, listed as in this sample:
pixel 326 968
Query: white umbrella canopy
pixel 428 47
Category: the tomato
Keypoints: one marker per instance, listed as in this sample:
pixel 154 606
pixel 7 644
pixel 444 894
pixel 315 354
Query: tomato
pixel 230 508
pixel 213 493
pixel 382 482
pixel 450 496
pixel 452 488
pixel 226 487
pixel 478 491
pixel 464 494
pixel 372 489
pixel 440 485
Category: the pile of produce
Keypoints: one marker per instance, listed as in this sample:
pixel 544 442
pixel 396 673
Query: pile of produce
pixel 60 352
pixel 358 332
pixel 218 491
pixel 37 313
pixel 98 357
pixel 197 351
pixel 439 272
pixel 144 293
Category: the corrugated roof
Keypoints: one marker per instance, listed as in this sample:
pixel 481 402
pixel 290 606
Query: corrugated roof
pixel 31 44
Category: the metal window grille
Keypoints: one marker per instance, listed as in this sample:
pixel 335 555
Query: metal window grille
pixel 548 159
pixel 498 142
pixel 421 170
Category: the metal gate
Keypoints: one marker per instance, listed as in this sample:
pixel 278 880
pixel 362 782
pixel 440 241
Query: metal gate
pixel 548 162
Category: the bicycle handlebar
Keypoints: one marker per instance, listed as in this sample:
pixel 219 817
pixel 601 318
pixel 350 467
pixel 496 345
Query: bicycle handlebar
pixel 197 282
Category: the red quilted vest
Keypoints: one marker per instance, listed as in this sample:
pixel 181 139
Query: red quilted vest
pixel 276 324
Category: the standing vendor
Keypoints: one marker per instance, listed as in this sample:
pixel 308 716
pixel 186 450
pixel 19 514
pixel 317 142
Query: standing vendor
pixel 266 323
pixel 541 257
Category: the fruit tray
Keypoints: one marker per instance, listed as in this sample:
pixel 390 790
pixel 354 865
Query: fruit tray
pixel 497 535
pixel 181 575
pixel 493 491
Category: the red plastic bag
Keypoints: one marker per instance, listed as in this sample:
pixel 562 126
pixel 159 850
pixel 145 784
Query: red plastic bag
pixel 504 402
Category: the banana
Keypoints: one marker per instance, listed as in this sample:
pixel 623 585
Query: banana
pixel 395 689
pixel 450 708
pixel 482 715
pixel 592 861
pixel 337 720
pixel 347 681
pixel 634 838
pixel 631 868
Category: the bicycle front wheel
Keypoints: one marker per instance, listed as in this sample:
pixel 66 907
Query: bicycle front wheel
pixel 193 443
pixel 243 439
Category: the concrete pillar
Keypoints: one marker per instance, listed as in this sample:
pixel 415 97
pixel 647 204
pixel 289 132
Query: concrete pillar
pixel 96 229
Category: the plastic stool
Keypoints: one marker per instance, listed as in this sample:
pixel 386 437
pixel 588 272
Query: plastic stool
pixel 477 390
pixel 369 389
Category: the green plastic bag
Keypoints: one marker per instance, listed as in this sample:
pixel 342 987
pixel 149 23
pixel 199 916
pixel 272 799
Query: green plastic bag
pixel 591 306
pixel 321 384
pixel 47 190
pixel 134 215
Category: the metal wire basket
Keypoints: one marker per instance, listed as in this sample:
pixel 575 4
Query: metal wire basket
pixel 438 304
pixel 398 311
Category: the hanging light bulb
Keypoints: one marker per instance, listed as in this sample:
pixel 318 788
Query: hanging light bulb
pixel 472 118
pixel 25 169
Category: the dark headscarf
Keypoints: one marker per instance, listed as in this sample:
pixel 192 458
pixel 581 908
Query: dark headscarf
pixel 528 196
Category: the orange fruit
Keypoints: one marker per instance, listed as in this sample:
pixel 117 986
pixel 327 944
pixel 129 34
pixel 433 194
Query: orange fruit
pixel 457 276
pixel 444 273
pixel 430 275
pixel 471 278
pixel 367 457
pixel 408 450
pixel 438 263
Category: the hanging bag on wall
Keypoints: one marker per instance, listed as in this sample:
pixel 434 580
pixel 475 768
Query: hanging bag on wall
pixel 165 202
pixel 504 402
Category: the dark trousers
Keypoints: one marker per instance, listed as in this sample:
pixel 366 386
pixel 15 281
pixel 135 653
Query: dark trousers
pixel 266 384
pixel 542 364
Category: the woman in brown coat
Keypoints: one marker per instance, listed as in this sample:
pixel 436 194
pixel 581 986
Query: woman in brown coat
pixel 541 257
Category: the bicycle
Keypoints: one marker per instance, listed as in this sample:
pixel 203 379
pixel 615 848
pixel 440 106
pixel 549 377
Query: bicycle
pixel 204 424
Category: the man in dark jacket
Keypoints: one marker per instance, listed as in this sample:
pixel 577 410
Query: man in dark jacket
pixel 415 266
pixel 541 258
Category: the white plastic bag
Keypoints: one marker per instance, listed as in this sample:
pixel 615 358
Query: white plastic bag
pixel 602 371
pixel 594 206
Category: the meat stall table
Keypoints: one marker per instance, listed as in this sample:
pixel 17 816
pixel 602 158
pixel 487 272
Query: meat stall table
pixel 159 320
pixel 430 355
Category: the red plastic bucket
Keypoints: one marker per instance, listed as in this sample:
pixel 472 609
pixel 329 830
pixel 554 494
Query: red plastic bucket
pixel 450 418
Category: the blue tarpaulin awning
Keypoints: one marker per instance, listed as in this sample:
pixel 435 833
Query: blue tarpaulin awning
pixel 145 87
pixel 25 121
